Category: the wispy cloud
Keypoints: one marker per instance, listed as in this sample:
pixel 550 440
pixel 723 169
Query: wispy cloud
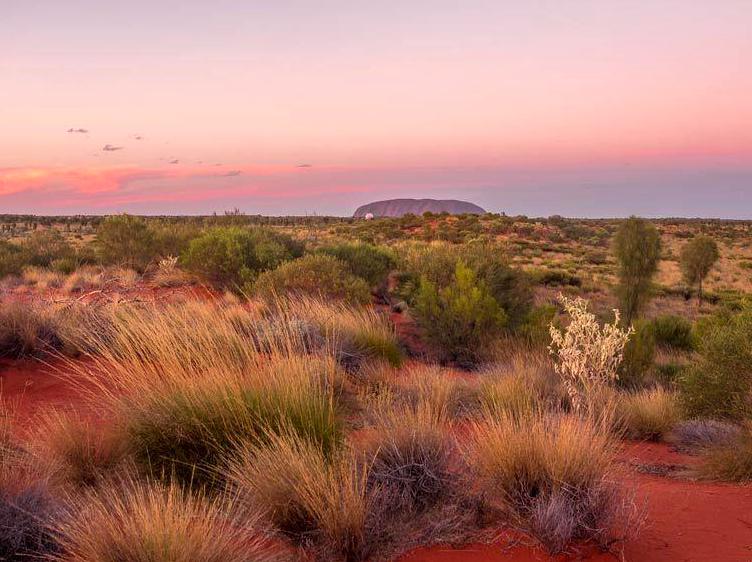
pixel 80 131
pixel 112 148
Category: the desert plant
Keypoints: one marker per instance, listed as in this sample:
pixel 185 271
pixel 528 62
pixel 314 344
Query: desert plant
pixel 674 332
pixel 460 320
pixel 551 473
pixel 28 330
pixel 638 355
pixel 697 259
pixel 649 414
pixel 146 522
pixel 12 258
pixel 411 458
pixel 718 383
pixel 314 275
pixel 45 246
pixel 232 256
pixel 369 262
pixel 637 247
pixel 588 355
pixel 125 240
pixel 304 493
pixel 730 461
pixel 695 436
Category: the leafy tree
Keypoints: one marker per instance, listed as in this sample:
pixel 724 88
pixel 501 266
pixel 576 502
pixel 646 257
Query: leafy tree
pixel 462 319
pixel 697 259
pixel 637 246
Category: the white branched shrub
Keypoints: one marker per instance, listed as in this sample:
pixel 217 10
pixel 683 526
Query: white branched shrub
pixel 168 264
pixel 587 354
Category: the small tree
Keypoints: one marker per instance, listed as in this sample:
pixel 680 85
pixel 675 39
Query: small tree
pixel 637 246
pixel 588 355
pixel 697 259
pixel 125 240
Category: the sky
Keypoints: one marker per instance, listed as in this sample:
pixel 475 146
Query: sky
pixel 582 108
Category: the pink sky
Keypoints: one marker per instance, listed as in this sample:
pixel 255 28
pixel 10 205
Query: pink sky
pixel 584 108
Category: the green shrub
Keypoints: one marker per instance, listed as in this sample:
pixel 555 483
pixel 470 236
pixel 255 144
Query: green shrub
pixel 44 246
pixel 12 259
pixel 719 383
pixel 672 332
pixel 460 320
pixel 125 240
pixel 313 275
pixel 512 288
pixel 232 256
pixel 639 356
pixel 372 263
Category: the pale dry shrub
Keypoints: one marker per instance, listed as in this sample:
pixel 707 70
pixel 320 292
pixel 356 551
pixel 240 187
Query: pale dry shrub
pixel 649 414
pixel 553 474
pixel 587 354
pixel 168 274
pixel 134 521
pixel 731 461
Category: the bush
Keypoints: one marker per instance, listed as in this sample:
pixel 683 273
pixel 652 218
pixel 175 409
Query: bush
pixel 649 414
pixel 639 356
pixel 672 332
pixel 695 436
pixel 12 259
pixel 551 473
pixel 232 256
pixel 125 240
pixel 461 320
pixel 369 262
pixel 152 523
pixel 43 247
pixel 719 383
pixel 731 462
pixel 315 275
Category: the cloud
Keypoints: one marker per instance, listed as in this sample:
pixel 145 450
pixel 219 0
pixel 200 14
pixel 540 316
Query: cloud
pixel 82 131
pixel 138 137
pixel 231 173
pixel 175 161
pixel 111 148
pixel 305 166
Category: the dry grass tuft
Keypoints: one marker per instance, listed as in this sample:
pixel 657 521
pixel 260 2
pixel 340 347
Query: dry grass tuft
pixel 649 414
pixel 144 522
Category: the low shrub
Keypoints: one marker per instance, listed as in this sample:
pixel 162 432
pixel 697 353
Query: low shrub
pixel 134 521
pixel 232 256
pixel 638 357
pixel 12 259
pixel 552 474
pixel 45 246
pixel 461 320
pixel 369 262
pixel 649 414
pixel 695 436
pixel 125 240
pixel 731 461
pixel 719 384
pixel 314 275
pixel 673 332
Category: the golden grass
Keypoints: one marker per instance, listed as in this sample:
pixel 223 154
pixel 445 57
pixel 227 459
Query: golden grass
pixel 649 414
pixel 306 493
pixel 143 522
pixel 731 462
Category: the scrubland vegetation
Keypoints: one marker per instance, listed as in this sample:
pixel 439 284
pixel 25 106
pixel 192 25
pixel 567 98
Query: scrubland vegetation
pixel 266 389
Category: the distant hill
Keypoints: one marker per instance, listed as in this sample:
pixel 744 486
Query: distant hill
pixel 400 207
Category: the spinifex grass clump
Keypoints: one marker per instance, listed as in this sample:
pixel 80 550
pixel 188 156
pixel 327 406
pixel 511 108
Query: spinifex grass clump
pixel 306 494
pixel 185 384
pixel 552 474
pixel 649 414
pixel 143 522
pixel 412 458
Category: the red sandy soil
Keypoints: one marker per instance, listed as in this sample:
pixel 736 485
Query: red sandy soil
pixel 686 520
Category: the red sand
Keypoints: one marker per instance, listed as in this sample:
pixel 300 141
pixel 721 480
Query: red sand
pixel 686 520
